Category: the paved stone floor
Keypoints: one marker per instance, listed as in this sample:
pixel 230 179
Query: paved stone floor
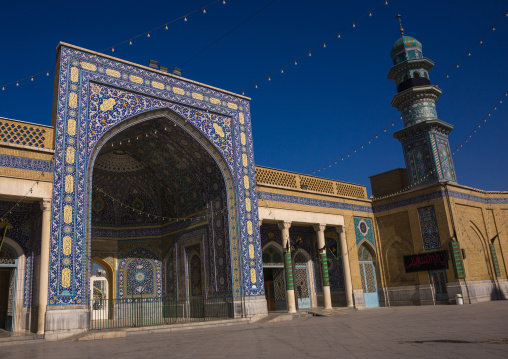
pixel 468 331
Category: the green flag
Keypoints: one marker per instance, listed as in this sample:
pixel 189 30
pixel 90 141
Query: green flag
pixel 334 249
pixel 3 237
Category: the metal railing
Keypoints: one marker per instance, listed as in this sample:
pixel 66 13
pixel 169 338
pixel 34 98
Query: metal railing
pixel 143 312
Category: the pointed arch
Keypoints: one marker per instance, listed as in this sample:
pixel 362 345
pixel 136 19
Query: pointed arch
pixel 369 245
pixel 272 254
pixel 20 281
pixel 111 275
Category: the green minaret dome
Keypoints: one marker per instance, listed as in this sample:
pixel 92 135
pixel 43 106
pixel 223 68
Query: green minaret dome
pixel 406 48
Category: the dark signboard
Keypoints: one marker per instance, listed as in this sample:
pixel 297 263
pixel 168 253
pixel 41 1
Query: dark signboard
pixel 426 261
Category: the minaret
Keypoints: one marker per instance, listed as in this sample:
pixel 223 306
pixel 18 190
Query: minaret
pixel 424 137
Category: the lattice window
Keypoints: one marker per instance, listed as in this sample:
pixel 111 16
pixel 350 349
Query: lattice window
pixel 349 190
pixel 272 256
pixel 276 178
pixel 13 132
pixel 369 278
pixel 7 256
pixel 301 283
pixel 362 274
pixel 317 184
pixel 439 280
pixel 278 284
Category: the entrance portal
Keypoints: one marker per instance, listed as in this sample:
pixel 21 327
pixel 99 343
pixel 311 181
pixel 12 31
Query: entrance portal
pixel 275 282
pixel 368 274
pixel 438 278
pixel 99 293
pixel 160 212
pixel 7 287
pixel 301 281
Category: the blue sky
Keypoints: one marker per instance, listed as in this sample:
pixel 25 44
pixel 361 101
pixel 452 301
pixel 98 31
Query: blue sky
pixel 317 111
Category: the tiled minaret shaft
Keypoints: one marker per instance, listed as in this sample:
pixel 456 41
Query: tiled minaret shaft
pixel 424 137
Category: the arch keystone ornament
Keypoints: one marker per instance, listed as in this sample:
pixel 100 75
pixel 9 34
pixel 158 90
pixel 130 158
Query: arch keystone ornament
pixel 111 96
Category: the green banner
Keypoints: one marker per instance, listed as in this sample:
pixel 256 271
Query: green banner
pixel 324 266
pixel 494 259
pixel 458 264
pixel 289 271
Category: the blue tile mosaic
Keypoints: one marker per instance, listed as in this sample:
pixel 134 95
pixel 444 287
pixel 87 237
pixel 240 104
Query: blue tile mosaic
pixel 364 231
pixel 428 226
pixel 26 163
pixel 312 202
pixel 130 95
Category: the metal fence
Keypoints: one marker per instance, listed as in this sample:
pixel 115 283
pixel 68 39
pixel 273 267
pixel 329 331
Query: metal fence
pixel 142 312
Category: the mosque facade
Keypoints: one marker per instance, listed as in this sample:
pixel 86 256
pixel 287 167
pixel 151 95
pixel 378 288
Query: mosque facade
pixel 141 205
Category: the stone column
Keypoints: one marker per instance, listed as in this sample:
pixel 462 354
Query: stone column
pixel 288 266
pixel 44 267
pixel 321 243
pixel 346 271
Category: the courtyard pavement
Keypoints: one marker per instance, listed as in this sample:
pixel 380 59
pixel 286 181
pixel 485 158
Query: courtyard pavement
pixel 447 331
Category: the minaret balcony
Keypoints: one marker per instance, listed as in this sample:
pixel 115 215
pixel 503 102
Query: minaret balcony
pixel 412 94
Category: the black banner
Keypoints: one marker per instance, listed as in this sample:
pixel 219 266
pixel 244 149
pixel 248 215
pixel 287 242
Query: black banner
pixel 426 261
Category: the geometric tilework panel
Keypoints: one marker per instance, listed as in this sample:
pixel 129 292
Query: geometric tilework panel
pixel 428 225
pixel 139 274
pixel 364 231
pixel 99 98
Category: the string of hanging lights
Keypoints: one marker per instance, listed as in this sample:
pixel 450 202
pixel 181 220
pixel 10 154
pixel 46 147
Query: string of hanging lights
pixel 468 52
pixel 478 126
pixel 151 215
pixel 129 41
pixel 165 25
pixel 353 151
pixel 322 44
pixel 347 155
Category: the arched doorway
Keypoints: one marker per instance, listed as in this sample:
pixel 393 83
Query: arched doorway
pixel 301 280
pixel 158 195
pixel 99 292
pixel 8 275
pixel 275 282
pixel 368 275
pixel 102 101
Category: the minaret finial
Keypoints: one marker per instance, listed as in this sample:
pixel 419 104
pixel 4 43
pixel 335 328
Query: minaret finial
pixel 400 25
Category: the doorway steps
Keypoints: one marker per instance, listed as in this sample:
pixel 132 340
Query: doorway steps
pixel 125 332
pixel 9 338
